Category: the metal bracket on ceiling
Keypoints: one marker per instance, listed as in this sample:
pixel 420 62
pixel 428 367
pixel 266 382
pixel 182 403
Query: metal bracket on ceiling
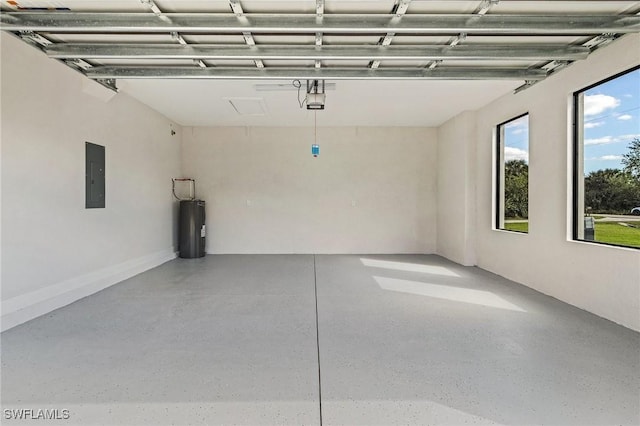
pixel 457 39
pixel 82 67
pixel 34 38
pixel 109 83
pixel 593 44
pixel 555 66
pixel 151 5
pixel 485 6
pixel 401 7
pixel 318 64
pixel 526 85
pixel 319 8
pixel 174 34
pixel 177 37
pixel 319 15
pixel 236 8
pixel 550 68
pixel 600 41
pixel 386 40
pixel 78 64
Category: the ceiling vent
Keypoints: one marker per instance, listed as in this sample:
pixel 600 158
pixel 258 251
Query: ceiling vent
pixel 248 106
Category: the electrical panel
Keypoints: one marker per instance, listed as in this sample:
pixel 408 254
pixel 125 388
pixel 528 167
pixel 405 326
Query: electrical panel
pixel 94 176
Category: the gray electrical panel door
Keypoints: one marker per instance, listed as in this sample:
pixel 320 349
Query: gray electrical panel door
pixel 94 176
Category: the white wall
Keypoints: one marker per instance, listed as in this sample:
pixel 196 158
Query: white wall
pixel 53 249
pixel 456 189
pixel 601 279
pixel 371 190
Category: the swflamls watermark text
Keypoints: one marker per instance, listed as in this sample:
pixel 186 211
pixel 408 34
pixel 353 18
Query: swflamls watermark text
pixel 36 414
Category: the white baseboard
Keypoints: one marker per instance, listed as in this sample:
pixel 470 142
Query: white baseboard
pixel 23 308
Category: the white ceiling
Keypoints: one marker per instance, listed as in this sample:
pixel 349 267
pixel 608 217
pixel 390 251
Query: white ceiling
pixel 352 103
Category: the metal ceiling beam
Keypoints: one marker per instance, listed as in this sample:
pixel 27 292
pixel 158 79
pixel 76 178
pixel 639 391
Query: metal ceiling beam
pixel 319 14
pixel 177 37
pixel 478 73
pixel 594 43
pixel 56 22
pixel 275 52
pixel 237 9
pixel 400 9
pixel 483 8
pixel 77 64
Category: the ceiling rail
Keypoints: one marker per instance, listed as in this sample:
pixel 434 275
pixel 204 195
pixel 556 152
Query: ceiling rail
pixel 306 23
pixel 333 52
pixel 273 73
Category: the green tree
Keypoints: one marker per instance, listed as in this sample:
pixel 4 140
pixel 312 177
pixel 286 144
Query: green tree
pixel 631 159
pixel 611 191
pixel 516 189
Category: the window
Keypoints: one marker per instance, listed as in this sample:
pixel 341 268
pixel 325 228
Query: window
pixel 606 187
pixel 512 172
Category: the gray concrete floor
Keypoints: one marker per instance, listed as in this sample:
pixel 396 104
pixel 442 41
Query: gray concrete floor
pixel 403 339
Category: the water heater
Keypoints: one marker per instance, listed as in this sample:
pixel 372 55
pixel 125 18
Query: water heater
pixel 192 232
